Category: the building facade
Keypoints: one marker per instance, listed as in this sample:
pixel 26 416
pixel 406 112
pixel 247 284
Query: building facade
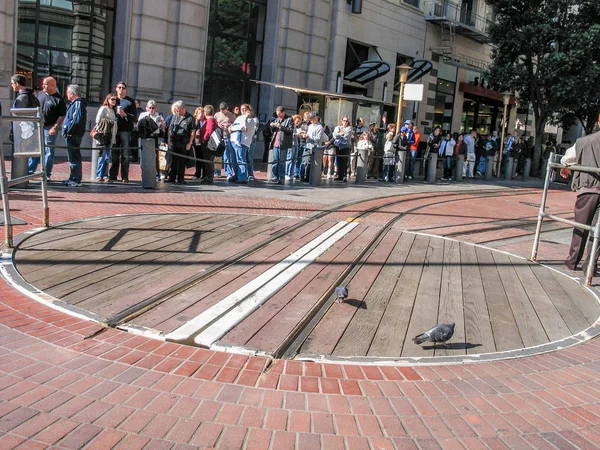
pixel 208 51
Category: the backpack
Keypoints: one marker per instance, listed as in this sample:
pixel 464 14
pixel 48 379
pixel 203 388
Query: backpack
pixel 146 127
pixel 216 143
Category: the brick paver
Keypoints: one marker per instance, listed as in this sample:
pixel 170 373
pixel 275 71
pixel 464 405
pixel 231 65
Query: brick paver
pixel 115 389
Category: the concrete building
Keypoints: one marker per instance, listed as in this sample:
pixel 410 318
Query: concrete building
pixel 207 51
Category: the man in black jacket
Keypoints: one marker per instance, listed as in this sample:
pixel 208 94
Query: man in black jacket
pixel 283 131
pixel 73 129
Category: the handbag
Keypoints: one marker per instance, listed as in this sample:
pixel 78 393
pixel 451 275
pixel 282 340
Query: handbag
pixel 216 142
pixel 341 143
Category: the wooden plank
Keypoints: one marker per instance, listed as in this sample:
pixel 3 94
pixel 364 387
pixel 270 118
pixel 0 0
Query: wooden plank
pixel 451 300
pixel 581 297
pixel 124 288
pixel 61 278
pixel 359 334
pixel 552 321
pixel 330 329
pixel 479 337
pixel 565 305
pixel 390 337
pixel 531 329
pixel 192 302
pixel 270 325
pixel 425 312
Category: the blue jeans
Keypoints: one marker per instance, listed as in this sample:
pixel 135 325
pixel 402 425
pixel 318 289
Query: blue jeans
pixel 49 142
pixel 251 159
pixel 103 160
pixel 241 157
pixel 290 163
pixel 411 163
pixel 278 167
pixel 74 155
pixel 228 158
pixel 482 164
pixel 299 159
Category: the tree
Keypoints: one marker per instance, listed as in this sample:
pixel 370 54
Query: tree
pixel 537 52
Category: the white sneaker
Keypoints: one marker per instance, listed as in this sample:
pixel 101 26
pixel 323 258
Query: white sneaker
pixel 72 183
pixel 288 178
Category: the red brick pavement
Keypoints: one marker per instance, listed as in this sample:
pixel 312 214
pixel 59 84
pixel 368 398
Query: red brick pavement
pixel 64 387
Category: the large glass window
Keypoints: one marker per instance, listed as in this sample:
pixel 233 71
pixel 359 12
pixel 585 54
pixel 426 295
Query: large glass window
pixel 234 51
pixel 444 103
pixel 69 40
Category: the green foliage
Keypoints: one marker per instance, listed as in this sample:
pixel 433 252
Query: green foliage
pixel 548 51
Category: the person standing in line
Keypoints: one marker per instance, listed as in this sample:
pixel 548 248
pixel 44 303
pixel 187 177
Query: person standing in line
pixel 54 109
pixel 433 145
pixel 585 152
pixel 342 139
pixel 208 168
pixel 200 128
pixel 243 131
pixel 294 152
pixel 413 138
pixel 181 137
pixel 388 157
pixel 225 118
pixel 283 132
pixel 446 153
pixel 126 118
pixel 108 113
pixel 470 158
pixel 73 129
pixel 315 135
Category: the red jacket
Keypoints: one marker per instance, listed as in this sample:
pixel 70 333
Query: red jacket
pixel 210 126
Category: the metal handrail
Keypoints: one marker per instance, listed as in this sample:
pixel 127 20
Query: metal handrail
pixel 5 183
pixel 453 12
pixel 552 166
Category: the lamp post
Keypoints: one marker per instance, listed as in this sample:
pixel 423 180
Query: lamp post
pixel 403 72
pixel 506 97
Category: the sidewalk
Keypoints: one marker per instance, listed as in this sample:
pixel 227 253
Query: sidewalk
pixel 67 383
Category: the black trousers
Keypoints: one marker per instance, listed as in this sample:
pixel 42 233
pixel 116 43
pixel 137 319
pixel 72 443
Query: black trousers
pixel 586 206
pixel 177 171
pixel 343 159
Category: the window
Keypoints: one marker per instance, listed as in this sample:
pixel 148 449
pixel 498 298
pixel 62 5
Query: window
pixel 444 104
pixel 69 40
pixel 234 51
pixel 414 3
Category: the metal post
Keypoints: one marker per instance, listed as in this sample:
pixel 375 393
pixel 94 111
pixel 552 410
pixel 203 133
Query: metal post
pixel 527 168
pixel 458 170
pixel 148 163
pixel 489 168
pixel 400 165
pixel 403 75
pixel 45 206
pixel 431 167
pixel 538 228
pixel 316 166
pixel 506 102
pixel 269 164
pixel 508 168
pixel 8 237
pixel 589 273
pixel 361 166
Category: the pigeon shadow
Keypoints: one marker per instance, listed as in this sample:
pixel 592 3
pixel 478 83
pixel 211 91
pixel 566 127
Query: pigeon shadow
pixel 453 346
pixel 359 304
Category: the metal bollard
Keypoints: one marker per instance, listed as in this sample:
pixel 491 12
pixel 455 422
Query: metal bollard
pixel 148 163
pixel 316 166
pixel 431 167
pixel 527 169
pixel 361 166
pixel 400 166
pixel 489 168
pixel 458 169
pixel 544 168
pixel 508 168
pixel 269 165
pixel 19 169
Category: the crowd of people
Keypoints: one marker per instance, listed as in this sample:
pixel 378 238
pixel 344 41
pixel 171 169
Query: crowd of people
pixel 182 138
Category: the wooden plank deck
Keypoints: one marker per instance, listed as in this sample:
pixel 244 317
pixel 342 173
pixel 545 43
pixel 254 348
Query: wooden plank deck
pixel 408 283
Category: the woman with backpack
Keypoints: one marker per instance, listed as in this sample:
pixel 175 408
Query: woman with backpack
pixel 106 134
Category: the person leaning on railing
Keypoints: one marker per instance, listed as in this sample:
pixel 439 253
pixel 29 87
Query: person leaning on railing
pixel 585 152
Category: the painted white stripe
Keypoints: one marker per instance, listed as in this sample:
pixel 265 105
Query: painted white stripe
pixel 221 326
pixel 216 311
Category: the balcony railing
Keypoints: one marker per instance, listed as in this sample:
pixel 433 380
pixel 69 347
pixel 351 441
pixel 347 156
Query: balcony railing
pixel 467 22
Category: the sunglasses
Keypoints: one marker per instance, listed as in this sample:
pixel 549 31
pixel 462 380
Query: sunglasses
pixel 151 107
pixel 112 99
pixel 121 87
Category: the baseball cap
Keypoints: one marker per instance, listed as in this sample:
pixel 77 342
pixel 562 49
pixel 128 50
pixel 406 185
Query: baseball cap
pixel 403 130
pixel 408 122
pixel 314 114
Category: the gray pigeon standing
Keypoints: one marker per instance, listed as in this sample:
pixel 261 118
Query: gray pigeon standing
pixel 439 334
pixel 341 294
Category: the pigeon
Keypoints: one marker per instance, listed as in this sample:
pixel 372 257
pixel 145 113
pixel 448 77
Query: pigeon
pixel 439 334
pixel 341 294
